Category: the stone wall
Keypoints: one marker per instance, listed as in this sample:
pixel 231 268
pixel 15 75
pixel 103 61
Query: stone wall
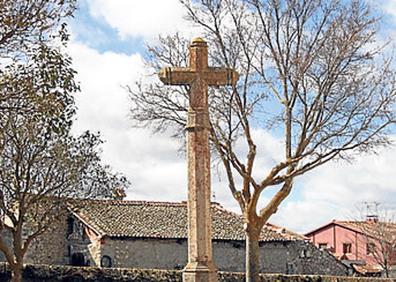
pixel 299 257
pixel 6 236
pixel 291 257
pixel 146 253
pixel 44 273
pixel 50 247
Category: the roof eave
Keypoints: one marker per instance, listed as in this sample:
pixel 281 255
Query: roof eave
pixel 98 232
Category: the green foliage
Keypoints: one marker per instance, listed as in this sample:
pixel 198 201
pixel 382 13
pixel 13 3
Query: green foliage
pixel 25 23
pixel 42 165
pixel 41 87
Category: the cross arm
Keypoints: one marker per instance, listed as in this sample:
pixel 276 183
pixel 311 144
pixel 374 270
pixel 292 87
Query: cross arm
pixel 176 76
pixel 221 76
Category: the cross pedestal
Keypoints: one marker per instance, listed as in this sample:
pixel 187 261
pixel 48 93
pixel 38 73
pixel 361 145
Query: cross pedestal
pixel 199 76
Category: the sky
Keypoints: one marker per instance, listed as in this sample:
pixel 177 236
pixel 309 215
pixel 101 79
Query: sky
pixel 108 46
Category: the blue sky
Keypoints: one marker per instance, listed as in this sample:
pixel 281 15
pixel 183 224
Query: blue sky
pixel 96 33
pixel 108 47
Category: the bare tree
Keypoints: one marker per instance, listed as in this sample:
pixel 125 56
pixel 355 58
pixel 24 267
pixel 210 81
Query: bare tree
pixel 308 68
pixel 378 229
pixel 381 241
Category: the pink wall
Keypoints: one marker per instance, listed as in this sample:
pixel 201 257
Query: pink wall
pixel 335 236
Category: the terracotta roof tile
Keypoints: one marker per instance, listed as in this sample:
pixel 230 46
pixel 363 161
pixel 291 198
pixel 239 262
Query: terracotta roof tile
pixel 372 229
pixel 165 220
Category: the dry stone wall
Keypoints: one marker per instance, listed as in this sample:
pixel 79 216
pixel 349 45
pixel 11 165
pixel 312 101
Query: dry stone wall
pixel 291 257
pixel 50 247
pixel 45 273
pixel 299 257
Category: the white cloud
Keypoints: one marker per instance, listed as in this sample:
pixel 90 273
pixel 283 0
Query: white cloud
pixel 151 162
pixel 159 173
pixel 390 7
pixel 140 18
pixel 335 190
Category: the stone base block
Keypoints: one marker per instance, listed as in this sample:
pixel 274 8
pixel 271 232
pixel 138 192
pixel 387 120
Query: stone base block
pixel 195 272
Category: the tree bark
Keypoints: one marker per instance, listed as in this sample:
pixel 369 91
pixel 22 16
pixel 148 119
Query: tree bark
pixel 17 267
pixel 386 267
pixel 252 254
pixel 16 272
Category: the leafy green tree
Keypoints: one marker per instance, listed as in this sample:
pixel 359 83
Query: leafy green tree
pixel 26 23
pixel 42 165
pixel 42 170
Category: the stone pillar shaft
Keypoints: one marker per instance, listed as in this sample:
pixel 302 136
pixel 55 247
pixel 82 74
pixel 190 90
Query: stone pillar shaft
pixel 200 266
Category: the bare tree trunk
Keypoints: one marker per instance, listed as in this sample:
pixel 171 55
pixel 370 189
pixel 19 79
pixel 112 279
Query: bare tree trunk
pixel 16 272
pixel 252 254
pixel 386 267
pixel 17 267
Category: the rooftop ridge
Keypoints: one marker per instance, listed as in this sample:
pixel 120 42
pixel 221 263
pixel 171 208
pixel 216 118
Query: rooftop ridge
pixel 223 209
pixel 145 202
pixel 363 222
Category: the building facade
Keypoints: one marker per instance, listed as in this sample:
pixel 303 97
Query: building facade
pixel 366 245
pixel 140 234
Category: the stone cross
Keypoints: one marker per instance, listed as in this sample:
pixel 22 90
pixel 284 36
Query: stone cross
pixel 198 76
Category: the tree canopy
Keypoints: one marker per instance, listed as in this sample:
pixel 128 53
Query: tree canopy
pixel 42 164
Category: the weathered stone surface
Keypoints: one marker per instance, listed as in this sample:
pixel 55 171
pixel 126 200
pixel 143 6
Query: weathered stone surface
pixel 198 75
pixel 46 273
pixel 137 240
pixel 50 248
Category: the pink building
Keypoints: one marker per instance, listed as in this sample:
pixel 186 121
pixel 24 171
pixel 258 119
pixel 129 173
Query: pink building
pixel 368 246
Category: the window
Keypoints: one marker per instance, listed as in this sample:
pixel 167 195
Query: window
pixel 70 225
pixel 84 234
pixel 305 253
pixel 77 259
pixel 322 246
pixel 347 248
pixel 106 261
pixel 370 248
pixel 290 269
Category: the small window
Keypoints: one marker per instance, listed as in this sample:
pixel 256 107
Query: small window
pixel 84 234
pixel 77 259
pixel 290 269
pixel 370 248
pixel 70 225
pixel 305 253
pixel 106 261
pixel 347 248
pixel 322 246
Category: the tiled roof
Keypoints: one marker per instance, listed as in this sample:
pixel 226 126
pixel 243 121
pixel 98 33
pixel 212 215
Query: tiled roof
pixel 165 220
pixel 366 269
pixel 375 229
pixel 370 228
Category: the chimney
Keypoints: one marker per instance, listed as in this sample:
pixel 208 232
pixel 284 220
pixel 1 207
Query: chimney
pixel 372 211
pixel 372 218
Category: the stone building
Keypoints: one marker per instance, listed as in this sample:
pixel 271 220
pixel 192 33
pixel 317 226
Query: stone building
pixel 140 234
